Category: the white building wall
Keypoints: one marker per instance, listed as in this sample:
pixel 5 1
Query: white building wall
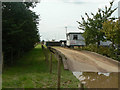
pixel 80 40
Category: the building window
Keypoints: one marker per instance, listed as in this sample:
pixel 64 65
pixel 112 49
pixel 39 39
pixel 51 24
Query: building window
pixel 75 37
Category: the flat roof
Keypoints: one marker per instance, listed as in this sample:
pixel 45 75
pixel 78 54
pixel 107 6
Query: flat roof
pixel 62 40
pixel 74 33
pixel 53 41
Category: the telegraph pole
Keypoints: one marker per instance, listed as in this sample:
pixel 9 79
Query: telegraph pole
pixel 66 29
pixel 119 13
pixel 119 37
pixel 66 32
pixel 119 10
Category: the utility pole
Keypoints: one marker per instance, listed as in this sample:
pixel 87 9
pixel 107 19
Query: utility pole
pixel 119 13
pixel 66 29
pixel 66 32
pixel 119 37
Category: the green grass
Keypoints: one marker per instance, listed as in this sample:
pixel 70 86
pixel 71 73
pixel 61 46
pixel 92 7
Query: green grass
pixel 31 71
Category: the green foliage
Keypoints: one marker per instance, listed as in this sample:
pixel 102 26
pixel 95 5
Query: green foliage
pixel 92 26
pixel 20 31
pixel 106 51
pixel 112 31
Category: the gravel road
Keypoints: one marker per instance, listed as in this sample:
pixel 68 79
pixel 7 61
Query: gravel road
pixel 86 61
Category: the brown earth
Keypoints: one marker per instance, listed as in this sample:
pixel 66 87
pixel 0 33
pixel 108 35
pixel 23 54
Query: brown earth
pixel 86 61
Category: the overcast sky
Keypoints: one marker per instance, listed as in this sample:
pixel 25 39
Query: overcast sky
pixel 56 14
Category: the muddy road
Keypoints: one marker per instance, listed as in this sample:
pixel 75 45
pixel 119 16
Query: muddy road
pixel 85 61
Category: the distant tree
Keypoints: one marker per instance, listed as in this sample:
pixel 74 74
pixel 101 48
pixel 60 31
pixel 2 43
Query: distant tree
pixel 43 41
pixel 92 26
pixel 53 39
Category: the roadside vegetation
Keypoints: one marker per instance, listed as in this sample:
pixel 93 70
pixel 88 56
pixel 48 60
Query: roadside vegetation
pixel 106 51
pixel 32 71
pixel 102 27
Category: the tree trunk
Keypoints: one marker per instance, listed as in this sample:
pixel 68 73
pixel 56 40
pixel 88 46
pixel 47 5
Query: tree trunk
pixel 113 44
pixel 11 55
pixel 2 61
pixel 19 53
pixel 98 44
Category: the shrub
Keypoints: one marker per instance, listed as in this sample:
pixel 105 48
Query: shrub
pixel 104 50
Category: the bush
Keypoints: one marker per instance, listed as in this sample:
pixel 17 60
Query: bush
pixel 106 51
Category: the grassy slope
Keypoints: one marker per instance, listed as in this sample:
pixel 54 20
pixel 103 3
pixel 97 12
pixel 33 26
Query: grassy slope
pixel 31 71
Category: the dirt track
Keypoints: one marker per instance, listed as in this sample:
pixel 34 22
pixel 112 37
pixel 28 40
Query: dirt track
pixel 85 61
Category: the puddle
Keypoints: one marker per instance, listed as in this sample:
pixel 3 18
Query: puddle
pixel 98 79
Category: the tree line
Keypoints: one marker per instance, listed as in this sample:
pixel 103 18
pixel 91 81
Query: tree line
pixel 19 29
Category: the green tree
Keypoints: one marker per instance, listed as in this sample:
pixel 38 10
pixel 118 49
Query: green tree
pixel 20 31
pixel 92 26
pixel 112 31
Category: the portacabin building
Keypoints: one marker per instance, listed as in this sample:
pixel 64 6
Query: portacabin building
pixel 75 39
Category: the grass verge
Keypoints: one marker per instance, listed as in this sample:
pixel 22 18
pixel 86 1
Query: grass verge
pixel 31 71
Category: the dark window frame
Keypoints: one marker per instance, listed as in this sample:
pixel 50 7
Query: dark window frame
pixel 75 37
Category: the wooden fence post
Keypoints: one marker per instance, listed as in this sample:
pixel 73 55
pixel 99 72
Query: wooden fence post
pixel 50 63
pixel 82 86
pixel 59 71
pixel 46 54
